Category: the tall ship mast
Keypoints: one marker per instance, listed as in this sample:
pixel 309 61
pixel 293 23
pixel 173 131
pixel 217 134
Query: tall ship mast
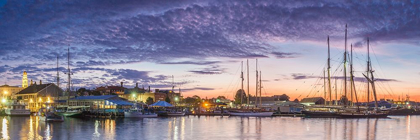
pixel 345 67
pixel 242 82
pixel 329 70
pixel 68 76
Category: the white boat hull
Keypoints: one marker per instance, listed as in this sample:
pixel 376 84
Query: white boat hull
pixel 138 115
pixel 252 114
pixel 49 119
pixel 176 114
pixel 18 112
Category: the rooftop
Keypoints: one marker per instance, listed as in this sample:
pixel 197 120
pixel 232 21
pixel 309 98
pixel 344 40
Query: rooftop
pixel 33 88
pixel 102 97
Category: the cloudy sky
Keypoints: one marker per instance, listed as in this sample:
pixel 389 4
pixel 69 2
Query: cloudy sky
pixel 202 44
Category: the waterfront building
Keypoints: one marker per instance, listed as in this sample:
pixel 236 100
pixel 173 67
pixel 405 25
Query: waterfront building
pixel 137 94
pixel 312 101
pixel 109 90
pixel 36 95
pixel 7 91
pixel 100 102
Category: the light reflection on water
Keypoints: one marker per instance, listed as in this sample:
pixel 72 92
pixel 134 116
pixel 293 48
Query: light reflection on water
pixel 182 128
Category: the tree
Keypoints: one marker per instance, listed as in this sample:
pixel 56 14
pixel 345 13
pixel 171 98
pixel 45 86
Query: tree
pixel 190 100
pixel 344 100
pixel 296 100
pixel 167 99
pixel 284 97
pixel 238 97
pixel 149 100
pixel 221 97
pixel 81 91
pixel 94 92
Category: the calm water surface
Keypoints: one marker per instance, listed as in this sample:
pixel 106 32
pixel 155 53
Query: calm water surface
pixel 192 127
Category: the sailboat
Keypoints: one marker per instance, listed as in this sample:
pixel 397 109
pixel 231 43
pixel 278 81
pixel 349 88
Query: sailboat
pixel 247 112
pixel 68 111
pixel 325 111
pixel 376 113
pixel 347 110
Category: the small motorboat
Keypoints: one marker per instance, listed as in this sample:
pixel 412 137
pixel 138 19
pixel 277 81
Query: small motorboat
pixel 178 113
pixel 136 113
pixel 47 116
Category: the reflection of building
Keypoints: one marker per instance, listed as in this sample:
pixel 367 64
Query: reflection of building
pixel 7 91
pixel 36 95
pixel 24 80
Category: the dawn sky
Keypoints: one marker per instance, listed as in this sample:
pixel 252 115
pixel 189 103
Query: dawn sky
pixel 202 43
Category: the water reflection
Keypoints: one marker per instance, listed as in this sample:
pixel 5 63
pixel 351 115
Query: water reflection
pixel 212 128
pixel 96 134
pixel 4 129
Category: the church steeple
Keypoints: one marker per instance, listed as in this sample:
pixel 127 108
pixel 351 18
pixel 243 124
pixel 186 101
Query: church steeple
pixel 24 80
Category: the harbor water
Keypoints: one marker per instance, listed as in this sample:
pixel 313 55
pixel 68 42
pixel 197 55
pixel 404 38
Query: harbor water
pixel 212 127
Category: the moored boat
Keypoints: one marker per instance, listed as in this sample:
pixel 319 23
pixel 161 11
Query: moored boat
pixel 18 109
pixel 320 114
pixel 47 116
pixel 179 113
pixel 137 113
pixel 362 115
pixel 251 114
